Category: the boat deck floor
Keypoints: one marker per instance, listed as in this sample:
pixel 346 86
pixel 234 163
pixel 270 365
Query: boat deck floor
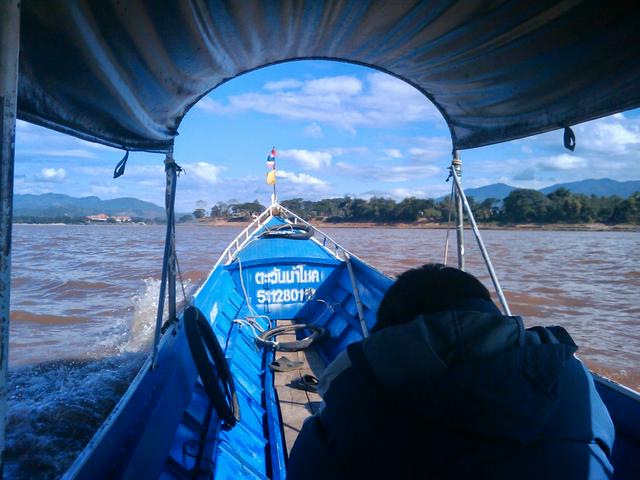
pixel 296 405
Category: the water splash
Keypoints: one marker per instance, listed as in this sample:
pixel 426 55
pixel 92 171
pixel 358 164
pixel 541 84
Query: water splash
pixel 140 329
pixel 55 407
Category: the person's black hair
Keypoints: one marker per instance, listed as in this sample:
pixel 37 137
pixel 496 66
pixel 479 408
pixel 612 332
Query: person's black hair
pixel 429 289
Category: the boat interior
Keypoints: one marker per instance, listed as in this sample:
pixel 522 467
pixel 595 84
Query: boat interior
pixel 124 74
pixel 268 277
pixel 261 282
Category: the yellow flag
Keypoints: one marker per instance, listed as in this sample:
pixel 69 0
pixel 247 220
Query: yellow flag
pixel 271 177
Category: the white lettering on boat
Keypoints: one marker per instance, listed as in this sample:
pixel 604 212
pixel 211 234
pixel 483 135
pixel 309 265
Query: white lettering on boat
pixel 297 274
pixel 285 295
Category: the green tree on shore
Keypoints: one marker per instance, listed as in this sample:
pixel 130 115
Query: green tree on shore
pixel 520 206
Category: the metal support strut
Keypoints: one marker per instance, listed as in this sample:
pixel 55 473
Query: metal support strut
pixel 169 262
pixel 356 296
pixel 483 250
pixel 9 51
pixel 456 165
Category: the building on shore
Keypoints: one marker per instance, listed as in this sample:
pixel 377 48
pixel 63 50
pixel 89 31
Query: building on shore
pixel 104 218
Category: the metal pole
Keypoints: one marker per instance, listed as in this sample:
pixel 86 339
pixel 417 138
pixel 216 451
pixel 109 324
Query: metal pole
pixel 9 52
pixel 169 205
pixel 170 195
pixel 356 295
pixel 456 165
pixel 483 250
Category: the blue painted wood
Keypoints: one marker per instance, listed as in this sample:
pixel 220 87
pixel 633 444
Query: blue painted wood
pixel 624 408
pixel 165 427
pixel 151 407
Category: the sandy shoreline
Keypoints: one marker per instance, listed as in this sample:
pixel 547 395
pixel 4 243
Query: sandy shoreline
pixel 557 227
pixel 585 227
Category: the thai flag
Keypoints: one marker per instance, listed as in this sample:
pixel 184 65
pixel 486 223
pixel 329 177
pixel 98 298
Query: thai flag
pixel 271 159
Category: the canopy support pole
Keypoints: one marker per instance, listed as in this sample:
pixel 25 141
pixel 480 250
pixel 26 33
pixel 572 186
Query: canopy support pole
pixel 456 165
pixel 485 255
pixel 356 296
pixel 9 52
pixel 168 276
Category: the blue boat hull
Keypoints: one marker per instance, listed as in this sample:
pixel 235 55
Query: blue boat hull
pixel 165 425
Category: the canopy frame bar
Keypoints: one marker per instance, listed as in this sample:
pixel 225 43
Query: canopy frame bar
pixel 9 54
pixel 168 275
pixel 485 255
pixel 456 164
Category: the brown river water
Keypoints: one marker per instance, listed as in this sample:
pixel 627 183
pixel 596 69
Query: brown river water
pixel 83 308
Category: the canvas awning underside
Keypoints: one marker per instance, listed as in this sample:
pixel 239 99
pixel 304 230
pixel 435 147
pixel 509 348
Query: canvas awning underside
pixel 124 73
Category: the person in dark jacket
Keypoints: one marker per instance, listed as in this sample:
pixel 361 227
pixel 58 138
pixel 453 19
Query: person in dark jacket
pixel 448 387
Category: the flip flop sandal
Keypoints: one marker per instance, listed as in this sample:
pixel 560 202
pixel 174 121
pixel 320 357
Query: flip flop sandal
pixel 306 382
pixel 283 364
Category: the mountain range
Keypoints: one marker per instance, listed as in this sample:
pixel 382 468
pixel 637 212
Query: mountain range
pixel 58 205
pixel 603 187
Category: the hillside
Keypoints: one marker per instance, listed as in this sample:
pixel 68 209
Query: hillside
pixel 495 190
pixel 604 187
pixel 58 205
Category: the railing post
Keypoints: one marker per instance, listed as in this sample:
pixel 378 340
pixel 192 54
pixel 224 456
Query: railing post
pixel 456 163
pixel 169 205
pixel 168 263
pixel 9 51
pixel 356 295
pixel 483 250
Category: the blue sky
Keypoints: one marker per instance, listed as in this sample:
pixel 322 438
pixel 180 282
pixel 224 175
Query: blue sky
pixel 339 130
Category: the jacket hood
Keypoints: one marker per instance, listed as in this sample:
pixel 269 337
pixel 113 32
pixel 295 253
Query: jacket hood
pixel 477 372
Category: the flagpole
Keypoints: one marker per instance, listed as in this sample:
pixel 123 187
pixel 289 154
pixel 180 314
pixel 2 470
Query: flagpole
pixel 271 176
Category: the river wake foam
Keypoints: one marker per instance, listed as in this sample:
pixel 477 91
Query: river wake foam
pixel 55 407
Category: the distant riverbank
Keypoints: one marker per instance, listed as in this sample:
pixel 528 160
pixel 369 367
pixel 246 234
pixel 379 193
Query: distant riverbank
pixel 580 227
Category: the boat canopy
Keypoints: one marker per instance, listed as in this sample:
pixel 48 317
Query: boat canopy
pixel 125 73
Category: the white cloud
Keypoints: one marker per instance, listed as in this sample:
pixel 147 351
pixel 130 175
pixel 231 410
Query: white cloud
pixel 341 85
pixel 301 178
pixel 401 193
pixel 430 148
pixel 205 171
pixel 617 135
pixel 393 153
pixel 286 84
pixel 385 173
pixel 53 174
pixel 339 151
pixel 606 147
pixel 418 152
pixel 345 102
pixel 307 159
pixel 211 106
pixel 562 162
pixel 313 131
pixel 610 137
pixel 32 140
pixel 391 100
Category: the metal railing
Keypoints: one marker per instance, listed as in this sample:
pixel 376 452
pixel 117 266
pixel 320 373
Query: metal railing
pixel 238 243
pixel 324 239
